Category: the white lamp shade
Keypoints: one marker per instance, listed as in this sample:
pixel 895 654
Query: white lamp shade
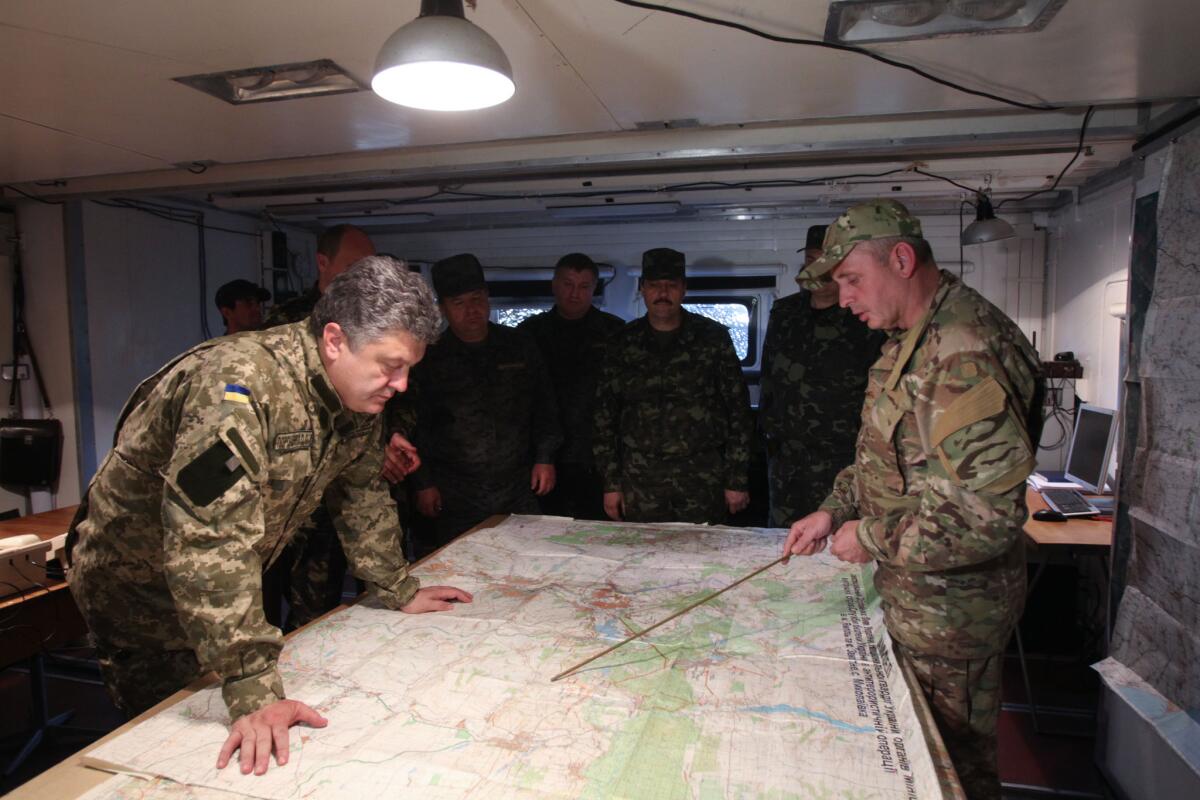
pixel 442 63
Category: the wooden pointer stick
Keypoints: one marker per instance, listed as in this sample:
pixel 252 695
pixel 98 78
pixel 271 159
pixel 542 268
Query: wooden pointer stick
pixel 680 613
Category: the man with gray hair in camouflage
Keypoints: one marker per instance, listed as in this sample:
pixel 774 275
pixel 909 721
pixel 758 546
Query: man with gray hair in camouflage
pixel 218 458
pixel 936 493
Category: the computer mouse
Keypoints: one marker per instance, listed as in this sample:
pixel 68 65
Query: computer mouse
pixel 1048 515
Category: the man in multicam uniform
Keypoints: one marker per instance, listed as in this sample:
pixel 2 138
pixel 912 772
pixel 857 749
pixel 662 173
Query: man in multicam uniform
pixel 310 573
pixel 936 494
pixel 218 458
pixel 672 426
pixel 814 373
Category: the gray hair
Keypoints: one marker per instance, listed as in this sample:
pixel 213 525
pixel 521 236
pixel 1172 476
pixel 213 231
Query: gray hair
pixel 881 248
pixel 375 297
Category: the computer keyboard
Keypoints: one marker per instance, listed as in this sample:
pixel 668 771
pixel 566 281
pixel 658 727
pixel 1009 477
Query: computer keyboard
pixel 1067 501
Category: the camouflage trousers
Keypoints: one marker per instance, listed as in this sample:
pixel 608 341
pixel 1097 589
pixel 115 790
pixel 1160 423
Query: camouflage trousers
pixel 800 480
pixel 671 493
pixel 143 651
pixel 965 698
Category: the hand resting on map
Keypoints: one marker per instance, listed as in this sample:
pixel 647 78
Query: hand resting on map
pixel 262 732
pixel 265 731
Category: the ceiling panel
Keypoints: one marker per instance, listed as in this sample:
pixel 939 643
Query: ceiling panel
pixel 100 73
pixel 33 152
pixel 658 66
pixel 112 83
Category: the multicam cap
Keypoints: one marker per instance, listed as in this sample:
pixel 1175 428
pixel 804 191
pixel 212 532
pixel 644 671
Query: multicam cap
pixel 457 275
pixel 875 219
pixel 662 263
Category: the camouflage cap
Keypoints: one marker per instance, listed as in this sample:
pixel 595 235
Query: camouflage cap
pixel 662 263
pixel 457 275
pixel 875 219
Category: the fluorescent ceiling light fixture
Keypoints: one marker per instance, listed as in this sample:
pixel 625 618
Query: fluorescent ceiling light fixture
pixel 278 82
pixel 442 62
pixel 367 220
pixel 329 209
pixel 862 21
pixel 610 210
pixel 986 227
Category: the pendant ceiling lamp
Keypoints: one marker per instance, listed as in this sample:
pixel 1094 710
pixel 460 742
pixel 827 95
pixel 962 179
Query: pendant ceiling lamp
pixel 986 227
pixel 442 62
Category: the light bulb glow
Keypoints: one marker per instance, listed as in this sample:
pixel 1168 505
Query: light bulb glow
pixel 443 86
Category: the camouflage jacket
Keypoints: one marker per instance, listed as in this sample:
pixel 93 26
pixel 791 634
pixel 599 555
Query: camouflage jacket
pixel 218 458
pixel 938 481
pixel 814 376
pixel 573 350
pixel 687 406
pixel 485 412
pixel 293 310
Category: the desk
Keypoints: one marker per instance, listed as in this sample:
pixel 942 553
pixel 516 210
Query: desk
pixel 38 611
pixel 1076 536
pixel 36 620
pixel 1076 532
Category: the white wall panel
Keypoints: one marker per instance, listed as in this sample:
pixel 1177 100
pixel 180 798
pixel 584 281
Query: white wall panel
pixel 1088 265
pixel 143 296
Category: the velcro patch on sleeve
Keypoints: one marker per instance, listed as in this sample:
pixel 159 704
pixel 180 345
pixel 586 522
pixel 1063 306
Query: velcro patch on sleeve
pixel 983 400
pixel 210 474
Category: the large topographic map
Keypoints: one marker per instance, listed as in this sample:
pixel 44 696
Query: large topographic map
pixel 783 687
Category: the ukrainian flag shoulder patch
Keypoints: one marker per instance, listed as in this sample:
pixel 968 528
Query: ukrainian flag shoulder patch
pixel 236 394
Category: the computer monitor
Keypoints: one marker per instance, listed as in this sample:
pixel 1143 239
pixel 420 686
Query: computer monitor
pixel 1091 447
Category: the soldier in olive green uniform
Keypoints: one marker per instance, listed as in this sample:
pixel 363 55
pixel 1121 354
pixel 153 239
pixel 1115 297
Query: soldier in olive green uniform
pixel 218 458
pixel 814 373
pixel 672 426
pixel 936 494
pixel 311 572
pixel 573 337
pixel 487 422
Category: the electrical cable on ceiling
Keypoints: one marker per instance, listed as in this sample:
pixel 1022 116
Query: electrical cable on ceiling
pixel 1087 116
pixel 146 208
pixel 447 194
pixel 846 48
pixel 24 193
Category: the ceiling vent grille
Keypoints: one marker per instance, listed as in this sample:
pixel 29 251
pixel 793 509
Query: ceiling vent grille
pixel 862 21
pixel 278 82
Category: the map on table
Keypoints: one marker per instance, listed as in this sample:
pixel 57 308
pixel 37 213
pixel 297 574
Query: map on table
pixel 783 687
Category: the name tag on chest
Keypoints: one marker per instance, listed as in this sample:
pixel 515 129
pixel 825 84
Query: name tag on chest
pixel 296 440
